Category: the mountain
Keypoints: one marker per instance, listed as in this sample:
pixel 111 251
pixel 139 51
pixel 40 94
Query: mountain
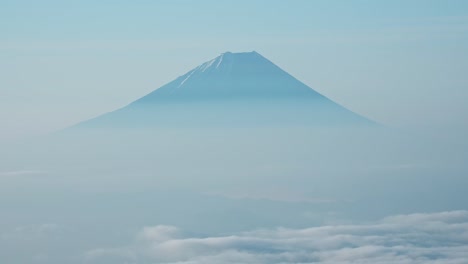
pixel 229 76
pixel 232 89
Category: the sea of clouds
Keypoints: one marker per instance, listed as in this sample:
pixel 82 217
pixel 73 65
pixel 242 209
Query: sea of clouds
pixel 440 238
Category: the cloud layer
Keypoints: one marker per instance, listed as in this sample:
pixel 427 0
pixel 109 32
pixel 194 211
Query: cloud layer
pixel 440 238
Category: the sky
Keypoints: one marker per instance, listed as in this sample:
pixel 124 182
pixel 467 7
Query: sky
pixel 401 63
pixel 234 194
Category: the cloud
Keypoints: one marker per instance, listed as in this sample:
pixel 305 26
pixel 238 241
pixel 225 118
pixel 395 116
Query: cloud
pixel 438 238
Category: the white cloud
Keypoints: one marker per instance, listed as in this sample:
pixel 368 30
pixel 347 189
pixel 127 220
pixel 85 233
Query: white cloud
pixel 440 238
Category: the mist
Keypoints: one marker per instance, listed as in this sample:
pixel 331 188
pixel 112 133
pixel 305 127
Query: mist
pixel 87 188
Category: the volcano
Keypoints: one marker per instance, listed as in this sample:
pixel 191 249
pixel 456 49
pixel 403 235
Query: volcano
pixel 239 89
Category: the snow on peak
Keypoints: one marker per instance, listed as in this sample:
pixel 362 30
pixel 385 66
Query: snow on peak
pixel 219 61
pixel 225 63
pixel 225 57
pixel 207 65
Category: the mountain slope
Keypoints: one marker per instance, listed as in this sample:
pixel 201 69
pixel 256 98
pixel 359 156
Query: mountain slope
pixel 232 75
pixel 231 89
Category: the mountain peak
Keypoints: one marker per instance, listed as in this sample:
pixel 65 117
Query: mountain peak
pixel 253 52
pixel 228 58
pixel 230 76
pixel 238 88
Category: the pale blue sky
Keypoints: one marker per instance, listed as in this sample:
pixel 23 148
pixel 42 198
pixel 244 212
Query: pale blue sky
pixel 402 63
pixel 102 197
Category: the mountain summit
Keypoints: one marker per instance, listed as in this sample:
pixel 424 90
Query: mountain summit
pixel 232 89
pixel 232 75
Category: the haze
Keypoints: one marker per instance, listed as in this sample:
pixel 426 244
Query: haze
pixel 361 159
